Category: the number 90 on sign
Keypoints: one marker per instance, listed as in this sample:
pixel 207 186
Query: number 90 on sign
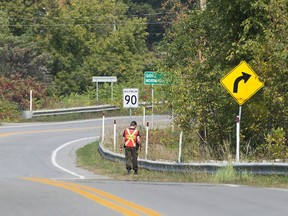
pixel 130 98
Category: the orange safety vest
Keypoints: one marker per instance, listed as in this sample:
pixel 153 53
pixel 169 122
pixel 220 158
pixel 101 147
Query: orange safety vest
pixel 131 137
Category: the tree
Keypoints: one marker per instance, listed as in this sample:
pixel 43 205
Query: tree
pixel 203 46
pixel 20 50
pixel 153 12
pixel 89 39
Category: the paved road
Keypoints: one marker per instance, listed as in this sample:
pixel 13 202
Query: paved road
pixel 38 177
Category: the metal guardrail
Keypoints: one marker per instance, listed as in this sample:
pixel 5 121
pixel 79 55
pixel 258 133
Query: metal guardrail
pixel 208 167
pixel 89 109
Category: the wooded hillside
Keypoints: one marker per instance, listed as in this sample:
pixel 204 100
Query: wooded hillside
pixel 55 47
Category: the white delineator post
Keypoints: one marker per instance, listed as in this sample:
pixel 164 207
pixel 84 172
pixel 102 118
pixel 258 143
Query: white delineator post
pixel 146 146
pixel 144 113
pixel 115 136
pixel 31 100
pixel 180 147
pixel 103 126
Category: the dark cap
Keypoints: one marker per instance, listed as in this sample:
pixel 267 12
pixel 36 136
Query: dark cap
pixel 133 123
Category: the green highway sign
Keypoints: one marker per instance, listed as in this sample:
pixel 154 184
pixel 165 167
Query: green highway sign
pixel 153 78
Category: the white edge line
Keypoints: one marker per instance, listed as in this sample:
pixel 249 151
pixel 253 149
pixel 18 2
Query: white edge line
pixel 54 155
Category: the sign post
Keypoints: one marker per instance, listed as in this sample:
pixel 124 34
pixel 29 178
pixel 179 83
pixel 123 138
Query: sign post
pixel 242 83
pixel 111 79
pixel 238 118
pixel 153 78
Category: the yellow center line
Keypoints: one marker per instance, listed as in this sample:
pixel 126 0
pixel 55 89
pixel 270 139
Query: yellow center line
pixel 118 199
pixel 99 196
pixel 46 131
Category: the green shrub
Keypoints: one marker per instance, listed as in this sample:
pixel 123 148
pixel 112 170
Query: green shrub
pixel 275 146
pixel 8 111
pixel 225 175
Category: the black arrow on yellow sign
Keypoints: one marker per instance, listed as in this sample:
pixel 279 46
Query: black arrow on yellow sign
pixel 244 77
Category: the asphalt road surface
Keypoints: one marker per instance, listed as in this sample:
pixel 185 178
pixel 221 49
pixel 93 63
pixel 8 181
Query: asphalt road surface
pixel 38 177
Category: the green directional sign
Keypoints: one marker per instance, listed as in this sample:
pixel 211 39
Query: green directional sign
pixel 153 78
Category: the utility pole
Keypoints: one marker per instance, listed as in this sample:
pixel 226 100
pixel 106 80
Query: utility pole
pixel 200 56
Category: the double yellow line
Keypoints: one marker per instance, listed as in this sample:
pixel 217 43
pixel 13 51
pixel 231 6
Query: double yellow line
pixel 113 202
pixel 45 131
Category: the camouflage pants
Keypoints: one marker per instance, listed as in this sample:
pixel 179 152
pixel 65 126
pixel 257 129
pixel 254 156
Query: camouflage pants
pixel 131 157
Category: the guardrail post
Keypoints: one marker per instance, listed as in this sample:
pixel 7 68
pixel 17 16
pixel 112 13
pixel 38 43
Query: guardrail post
pixel 146 146
pixel 115 136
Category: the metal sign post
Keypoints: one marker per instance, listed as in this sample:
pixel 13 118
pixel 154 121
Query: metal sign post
pixel 153 78
pixel 238 120
pixel 98 79
pixel 152 115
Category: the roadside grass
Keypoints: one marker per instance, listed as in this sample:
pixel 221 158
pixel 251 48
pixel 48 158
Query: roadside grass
pixel 89 158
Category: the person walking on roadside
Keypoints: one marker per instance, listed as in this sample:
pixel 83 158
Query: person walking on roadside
pixel 131 143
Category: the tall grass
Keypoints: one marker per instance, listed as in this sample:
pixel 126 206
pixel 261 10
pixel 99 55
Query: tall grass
pixel 163 144
pixel 89 158
pixel 228 175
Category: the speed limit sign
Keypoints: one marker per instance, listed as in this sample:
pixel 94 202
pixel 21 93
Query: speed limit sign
pixel 130 98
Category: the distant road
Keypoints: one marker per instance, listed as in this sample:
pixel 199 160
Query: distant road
pixel 38 177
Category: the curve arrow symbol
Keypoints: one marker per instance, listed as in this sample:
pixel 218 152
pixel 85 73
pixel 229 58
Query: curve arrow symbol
pixel 244 77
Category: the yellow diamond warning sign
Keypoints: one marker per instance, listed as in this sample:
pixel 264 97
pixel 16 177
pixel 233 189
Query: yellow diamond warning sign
pixel 242 82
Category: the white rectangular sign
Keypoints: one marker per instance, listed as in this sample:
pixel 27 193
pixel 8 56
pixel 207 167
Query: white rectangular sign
pixel 130 98
pixel 104 79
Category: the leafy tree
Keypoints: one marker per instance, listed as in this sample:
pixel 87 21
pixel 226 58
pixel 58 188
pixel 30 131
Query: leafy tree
pixel 16 90
pixel 89 39
pixel 261 38
pixel 203 46
pixel 20 51
pixel 22 56
pixel 151 10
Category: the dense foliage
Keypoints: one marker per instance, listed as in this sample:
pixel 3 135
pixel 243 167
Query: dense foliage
pixel 204 45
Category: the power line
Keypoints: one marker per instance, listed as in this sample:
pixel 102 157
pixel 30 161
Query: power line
pixel 89 17
pixel 83 24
